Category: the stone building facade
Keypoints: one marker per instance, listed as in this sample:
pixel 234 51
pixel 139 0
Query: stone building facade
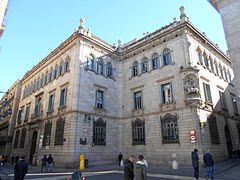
pixel 8 111
pixel 89 97
pixel 229 11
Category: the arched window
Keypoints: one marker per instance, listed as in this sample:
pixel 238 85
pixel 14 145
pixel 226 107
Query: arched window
pixel 100 66
pixel 213 129
pixel 47 134
pixel 229 76
pixel 90 63
pixel 59 131
pixel 37 109
pixel 135 69
pixel 99 132
pixel 60 69
pixel 225 74
pixel 211 64
pixel 66 64
pixel 205 60
pixel 144 65
pixel 109 70
pixel 17 133
pixel 221 70
pixel 169 129
pixel 216 68
pixel 138 132
pixel 23 136
pixel 200 57
pixel 167 57
pixel 55 72
pixel 155 61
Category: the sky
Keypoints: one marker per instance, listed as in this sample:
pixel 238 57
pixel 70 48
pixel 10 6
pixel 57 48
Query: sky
pixel 35 28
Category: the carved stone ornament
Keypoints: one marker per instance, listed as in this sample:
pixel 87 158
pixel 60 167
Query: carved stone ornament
pixel 191 86
pixel 192 91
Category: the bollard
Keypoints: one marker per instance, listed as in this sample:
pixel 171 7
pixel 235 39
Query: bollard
pixel 174 164
pixel 82 166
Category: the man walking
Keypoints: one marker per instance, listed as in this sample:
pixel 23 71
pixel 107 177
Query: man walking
pixel 120 157
pixel 208 160
pixel 195 163
pixel 140 170
pixel 20 169
pixel 128 168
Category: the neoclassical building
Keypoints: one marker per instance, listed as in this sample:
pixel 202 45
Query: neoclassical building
pixel 143 97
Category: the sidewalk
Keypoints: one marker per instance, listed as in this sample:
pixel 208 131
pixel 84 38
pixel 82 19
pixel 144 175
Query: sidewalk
pixel 163 170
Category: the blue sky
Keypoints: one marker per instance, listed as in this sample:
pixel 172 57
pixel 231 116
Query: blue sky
pixel 34 28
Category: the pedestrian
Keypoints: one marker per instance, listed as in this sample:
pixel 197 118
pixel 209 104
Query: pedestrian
pixel 128 168
pixel 20 169
pixel 49 163
pixel 140 169
pixel 16 159
pixel 120 158
pixel 195 163
pixel 12 159
pixel 208 161
pixel 145 161
pixel 44 163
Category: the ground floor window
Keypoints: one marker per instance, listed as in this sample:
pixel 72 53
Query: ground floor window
pixel 99 132
pixel 213 129
pixel 169 129
pixel 138 131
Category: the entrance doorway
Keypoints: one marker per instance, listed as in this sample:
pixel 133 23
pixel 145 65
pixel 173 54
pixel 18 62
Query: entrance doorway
pixel 33 147
pixel 228 141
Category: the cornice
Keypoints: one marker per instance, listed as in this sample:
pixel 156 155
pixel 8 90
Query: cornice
pixel 203 38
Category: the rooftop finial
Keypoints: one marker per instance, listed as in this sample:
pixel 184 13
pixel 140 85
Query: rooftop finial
pixel 82 21
pixel 119 43
pixel 183 16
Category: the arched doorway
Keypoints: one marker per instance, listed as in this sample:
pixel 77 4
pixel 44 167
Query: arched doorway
pixel 33 147
pixel 228 141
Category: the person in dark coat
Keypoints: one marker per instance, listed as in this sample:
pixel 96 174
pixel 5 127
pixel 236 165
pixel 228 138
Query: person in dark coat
pixel 12 159
pixel 140 169
pixel 208 161
pixel 16 159
pixel 128 168
pixel 120 157
pixel 49 163
pixel 20 169
pixel 44 163
pixel 195 163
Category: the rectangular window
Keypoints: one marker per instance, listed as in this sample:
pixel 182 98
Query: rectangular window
pixel 207 92
pixel 51 103
pixel 167 95
pixel 99 99
pixel 138 100
pixel 19 119
pixel 63 97
pixel 17 133
pixel 223 100
pixel 27 113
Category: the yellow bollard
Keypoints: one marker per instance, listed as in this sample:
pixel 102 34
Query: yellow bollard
pixel 82 165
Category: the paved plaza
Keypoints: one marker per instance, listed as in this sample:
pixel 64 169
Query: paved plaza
pixel 224 170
